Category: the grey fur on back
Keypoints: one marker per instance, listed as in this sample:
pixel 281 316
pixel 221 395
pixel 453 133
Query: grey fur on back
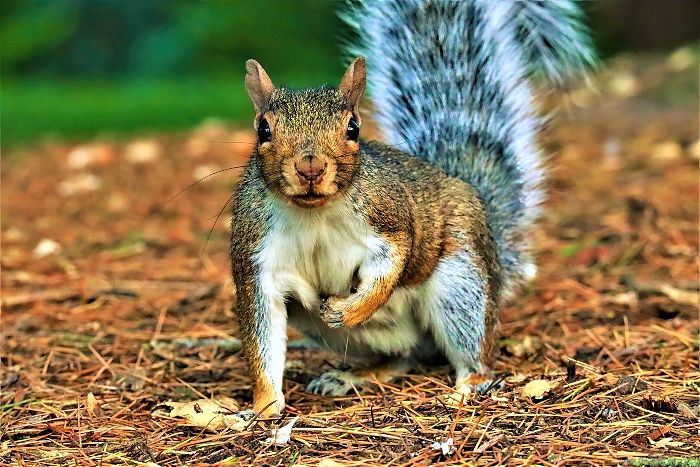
pixel 448 80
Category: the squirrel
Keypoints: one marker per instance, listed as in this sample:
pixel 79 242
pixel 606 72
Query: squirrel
pixel 397 252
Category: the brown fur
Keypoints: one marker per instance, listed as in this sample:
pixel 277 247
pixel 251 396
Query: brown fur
pixel 422 214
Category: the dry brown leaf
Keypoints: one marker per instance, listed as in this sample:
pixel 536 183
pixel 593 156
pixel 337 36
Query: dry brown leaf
pixel 665 443
pixel 93 406
pixel 684 297
pixel 213 415
pixel 537 389
pixel 630 385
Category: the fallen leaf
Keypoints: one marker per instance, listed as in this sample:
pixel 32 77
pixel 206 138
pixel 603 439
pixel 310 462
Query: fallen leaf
pixel 280 436
pixel 684 297
pixel 490 443
pixel 446 447
pixel 213 415
pixel 630 385
pixel 667 150
pixel 93 406
pixel 117 202
pixel 665 443
pixel 658 433
pixel 537 389
pixel 694 150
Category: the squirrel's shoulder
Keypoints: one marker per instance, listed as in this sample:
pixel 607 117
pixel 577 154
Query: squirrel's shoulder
pixel 390 159
pixel 395 165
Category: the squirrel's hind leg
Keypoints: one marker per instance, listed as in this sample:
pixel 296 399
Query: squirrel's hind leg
pixel 461 313
pixel 336 383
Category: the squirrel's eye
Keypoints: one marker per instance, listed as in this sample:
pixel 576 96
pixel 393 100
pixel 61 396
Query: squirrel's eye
pixel 264 133
pixel 353 130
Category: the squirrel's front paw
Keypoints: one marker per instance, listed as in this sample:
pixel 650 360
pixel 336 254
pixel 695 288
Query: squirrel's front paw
pixel 332 311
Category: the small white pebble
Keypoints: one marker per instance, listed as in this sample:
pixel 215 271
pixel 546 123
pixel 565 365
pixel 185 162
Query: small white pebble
pixel 47 247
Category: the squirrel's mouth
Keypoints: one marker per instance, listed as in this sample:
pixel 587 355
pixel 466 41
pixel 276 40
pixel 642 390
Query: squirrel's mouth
pixel 310 199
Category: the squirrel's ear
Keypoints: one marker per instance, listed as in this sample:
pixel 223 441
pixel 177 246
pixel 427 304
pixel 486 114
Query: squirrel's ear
pixel 353 83
pixel 258 85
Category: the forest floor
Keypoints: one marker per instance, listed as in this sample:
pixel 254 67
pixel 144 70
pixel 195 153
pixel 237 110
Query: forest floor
pixel 114 305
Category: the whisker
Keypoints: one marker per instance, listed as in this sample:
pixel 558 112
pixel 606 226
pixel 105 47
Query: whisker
pixel 230 198
pixel 201 179
pixel 232 142
pixel 220 143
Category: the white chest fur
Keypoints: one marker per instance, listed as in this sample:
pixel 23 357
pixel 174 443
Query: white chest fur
pixel 307 254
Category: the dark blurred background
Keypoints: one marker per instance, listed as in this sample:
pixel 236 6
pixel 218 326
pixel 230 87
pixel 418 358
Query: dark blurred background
pixel 77 68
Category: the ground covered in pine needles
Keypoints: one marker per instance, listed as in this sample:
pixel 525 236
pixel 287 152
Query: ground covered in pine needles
pixel 114 305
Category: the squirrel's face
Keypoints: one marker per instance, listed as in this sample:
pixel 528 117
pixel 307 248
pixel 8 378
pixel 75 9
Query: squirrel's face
pixel 308 146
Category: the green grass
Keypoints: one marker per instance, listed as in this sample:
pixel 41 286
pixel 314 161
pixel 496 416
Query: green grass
pixel 82 109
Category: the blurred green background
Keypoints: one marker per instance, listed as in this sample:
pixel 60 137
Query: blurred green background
pixel 76 68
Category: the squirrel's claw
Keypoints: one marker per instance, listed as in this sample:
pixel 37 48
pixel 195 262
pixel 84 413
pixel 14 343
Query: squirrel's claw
pixel 333 383
pixel 245 415
pixel 332 312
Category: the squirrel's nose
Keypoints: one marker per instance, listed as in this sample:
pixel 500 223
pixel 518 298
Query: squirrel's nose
pixel 310 169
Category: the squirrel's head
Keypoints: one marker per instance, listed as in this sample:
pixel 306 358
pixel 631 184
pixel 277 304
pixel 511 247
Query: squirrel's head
pixel 308 140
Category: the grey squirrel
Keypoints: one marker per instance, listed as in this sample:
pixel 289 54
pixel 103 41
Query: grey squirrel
pixel 400 251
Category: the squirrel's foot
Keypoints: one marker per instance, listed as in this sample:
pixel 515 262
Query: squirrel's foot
pixel 240 420
pixel 336 383
pixel 473 384
pixel 245 415
pixel 333 383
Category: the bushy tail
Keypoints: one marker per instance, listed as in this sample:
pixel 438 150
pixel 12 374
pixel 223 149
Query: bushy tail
pixel 448 80
pixel 556 44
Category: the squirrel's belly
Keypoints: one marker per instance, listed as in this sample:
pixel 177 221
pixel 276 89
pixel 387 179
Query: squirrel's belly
pixel 301 262
pixel 392 330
